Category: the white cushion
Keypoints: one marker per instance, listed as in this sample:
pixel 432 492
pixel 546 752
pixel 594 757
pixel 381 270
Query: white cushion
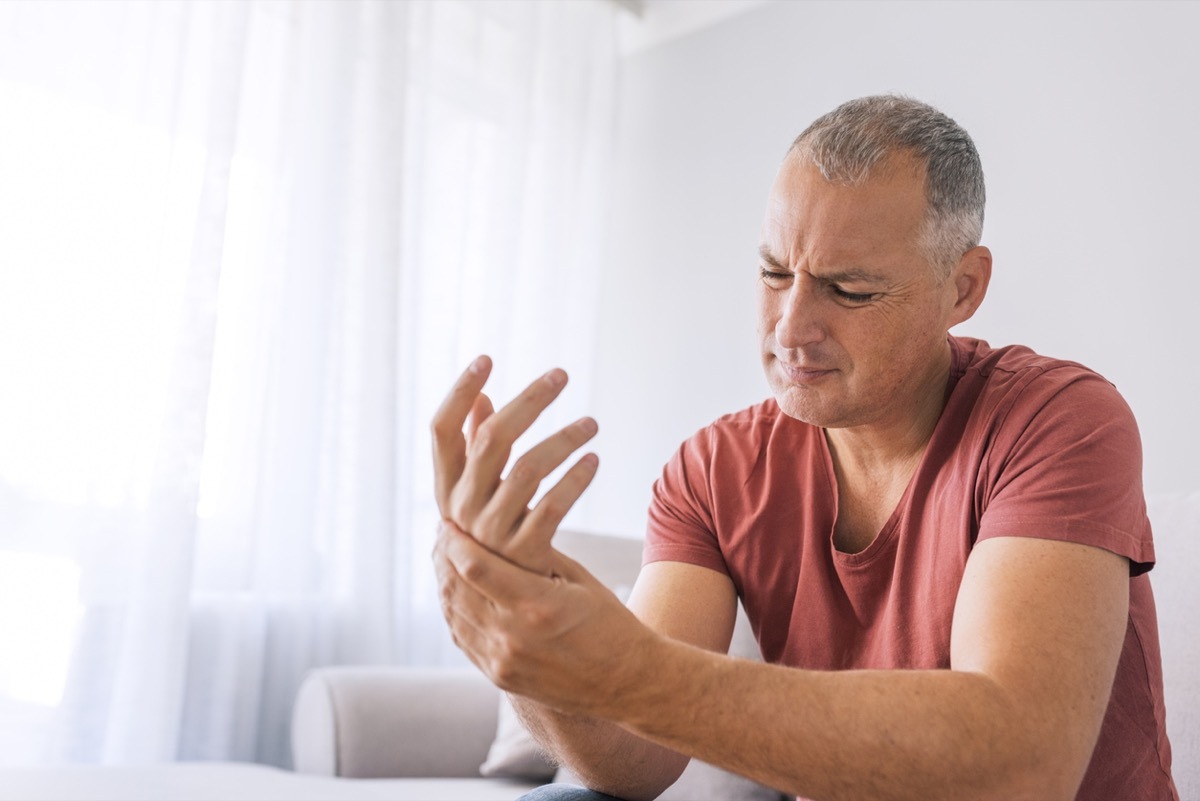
pixel 514 753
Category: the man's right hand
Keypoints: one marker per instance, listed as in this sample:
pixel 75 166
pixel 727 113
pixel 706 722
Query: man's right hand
pixel 537 636
pixel 468 465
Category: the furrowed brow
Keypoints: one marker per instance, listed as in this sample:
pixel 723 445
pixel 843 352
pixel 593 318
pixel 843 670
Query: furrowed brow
pixel 848 276
pixel 853 276
pixel 765 254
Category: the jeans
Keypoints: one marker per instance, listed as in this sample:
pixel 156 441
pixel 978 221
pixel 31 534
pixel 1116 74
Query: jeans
pixel 565 792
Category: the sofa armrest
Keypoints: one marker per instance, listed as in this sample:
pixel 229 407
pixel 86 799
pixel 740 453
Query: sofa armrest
pixel 383 722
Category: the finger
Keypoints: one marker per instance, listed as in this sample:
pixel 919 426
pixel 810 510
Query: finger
pixel 530 545
pixel 449 444
pixel 459 600
pixel 480 411
pixel 470 639
pixel 494 578
pixel 476 624
pixel 508 505
pixel 484 650
pixel 492 443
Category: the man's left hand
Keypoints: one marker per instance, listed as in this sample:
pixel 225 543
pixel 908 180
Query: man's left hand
pixel 563 640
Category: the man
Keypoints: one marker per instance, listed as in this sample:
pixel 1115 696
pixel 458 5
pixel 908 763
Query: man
pixel 941 547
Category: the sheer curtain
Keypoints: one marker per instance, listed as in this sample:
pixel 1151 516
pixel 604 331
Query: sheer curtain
pixel 244 250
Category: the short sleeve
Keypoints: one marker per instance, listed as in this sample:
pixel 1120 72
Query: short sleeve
pixel 1067 465
pixel 680 526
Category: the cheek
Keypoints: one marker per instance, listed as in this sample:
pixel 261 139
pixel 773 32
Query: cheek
pixel 898 349
pixel 876 343
pixel 764 315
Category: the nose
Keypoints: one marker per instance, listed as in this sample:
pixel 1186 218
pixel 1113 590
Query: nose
pixel 801 319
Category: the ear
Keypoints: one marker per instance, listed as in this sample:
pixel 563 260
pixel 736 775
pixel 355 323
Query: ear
pixel 970 278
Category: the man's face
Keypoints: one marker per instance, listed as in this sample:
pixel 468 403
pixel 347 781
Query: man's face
pixel 851 319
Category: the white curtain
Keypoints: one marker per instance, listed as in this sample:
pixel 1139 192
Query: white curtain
pixel 245 247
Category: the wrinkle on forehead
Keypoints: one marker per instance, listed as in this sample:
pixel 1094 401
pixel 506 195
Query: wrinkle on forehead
pixel 846 226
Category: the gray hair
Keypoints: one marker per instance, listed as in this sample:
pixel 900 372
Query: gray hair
pixel 850 141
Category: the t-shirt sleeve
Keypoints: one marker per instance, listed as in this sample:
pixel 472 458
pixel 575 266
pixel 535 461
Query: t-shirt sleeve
pixel 1068 467
pixel 680 526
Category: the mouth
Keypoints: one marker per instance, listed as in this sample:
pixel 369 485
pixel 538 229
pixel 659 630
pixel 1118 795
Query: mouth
pixel 804 374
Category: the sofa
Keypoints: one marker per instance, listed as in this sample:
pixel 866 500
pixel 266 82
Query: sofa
pixel 454 724
pixel 405 734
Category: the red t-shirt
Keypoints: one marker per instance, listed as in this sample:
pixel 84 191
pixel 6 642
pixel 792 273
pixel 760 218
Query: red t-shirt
pixel 1026 447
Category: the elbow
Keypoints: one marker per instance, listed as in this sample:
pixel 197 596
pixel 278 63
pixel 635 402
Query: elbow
pixel 641 793
pixel 1048 777
pixel 1034 772
pixel 1022 751
pixel 633 785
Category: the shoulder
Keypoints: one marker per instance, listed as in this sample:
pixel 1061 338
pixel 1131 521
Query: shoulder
pixel 761 421
pixel 724 452
pixel 975 358
pixel 1059 449
pixel 1014 384
pixel 740 439
pixel 762 414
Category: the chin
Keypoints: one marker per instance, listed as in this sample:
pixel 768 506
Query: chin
pixel 797 404
pixel 808 404
pixel 817 409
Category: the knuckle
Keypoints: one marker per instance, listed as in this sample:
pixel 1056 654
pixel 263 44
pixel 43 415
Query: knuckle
pixel 550 511
pixel 472 569
pixel 461 512
pixel 504 664
pixel 537 392
pixel 534 616
pixel 442 432
pixel 501 673
pixel 524 471
pixel 485 530
pixel 576 435
pixel 536 520
pixel 488 437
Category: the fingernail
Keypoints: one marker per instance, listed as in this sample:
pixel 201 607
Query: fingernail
pixel 556 377
pixel 590 459
pixel 479 365
pixel 588 426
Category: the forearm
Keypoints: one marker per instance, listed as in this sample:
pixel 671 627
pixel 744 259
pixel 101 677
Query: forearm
pixel 604 756
pixel 845 735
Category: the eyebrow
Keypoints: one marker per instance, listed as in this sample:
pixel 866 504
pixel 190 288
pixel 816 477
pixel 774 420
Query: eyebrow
pixel 849 275
pixel 764 253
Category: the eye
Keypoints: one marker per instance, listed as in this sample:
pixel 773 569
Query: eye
pixel 853 297
pixel 773 279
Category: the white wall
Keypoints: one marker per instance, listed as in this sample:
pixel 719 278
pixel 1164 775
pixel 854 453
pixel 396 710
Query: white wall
pixel 1086 115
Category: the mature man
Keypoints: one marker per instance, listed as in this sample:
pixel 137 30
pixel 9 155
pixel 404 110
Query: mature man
pixel 941 546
